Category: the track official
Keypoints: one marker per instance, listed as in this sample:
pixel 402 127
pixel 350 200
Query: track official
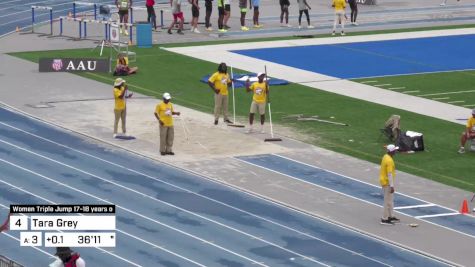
pixel 164 113
pixel 219 83
pixel 120 109
pixel 387 175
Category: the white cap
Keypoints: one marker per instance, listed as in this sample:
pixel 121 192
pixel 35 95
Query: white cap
pixel 167 96
pixel 119 81
pixel 392 148
pixel 260 73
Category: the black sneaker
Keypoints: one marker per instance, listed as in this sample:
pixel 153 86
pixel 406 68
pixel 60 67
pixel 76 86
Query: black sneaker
pixel 228 121
pixel 386 222
pixel 170 153
pixel 215 122
pixel 169 32
pixel 180 32
pixel 394 220
pixel 163 153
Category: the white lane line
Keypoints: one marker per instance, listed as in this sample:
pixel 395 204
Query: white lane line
pixel 191 192
pixel 408 92
pixel 448 93
pixel 441 98
pixel 369 82
pixel 165 203
pixel 437 215
pixel 397 88
pixel 415 206
pixel 457 101
pixel 117 229
pixel 130 211
pixel 469 105
pixel 383 84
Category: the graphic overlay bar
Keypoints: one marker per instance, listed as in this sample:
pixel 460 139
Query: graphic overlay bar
pixel 80 239
pixel 31 239
pixel 84 208
pixel 18 222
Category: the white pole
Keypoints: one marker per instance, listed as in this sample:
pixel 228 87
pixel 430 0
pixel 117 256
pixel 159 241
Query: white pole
pixel 234 101
pixel 270 122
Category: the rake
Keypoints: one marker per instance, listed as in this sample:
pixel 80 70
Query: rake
pixel 272 139
pixel 234 104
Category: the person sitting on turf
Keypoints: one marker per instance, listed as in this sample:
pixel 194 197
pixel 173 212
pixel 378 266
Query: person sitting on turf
pixel 469 132
pixel 122 68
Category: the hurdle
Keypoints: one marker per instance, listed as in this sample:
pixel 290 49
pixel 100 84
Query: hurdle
pixel 76 4
pixel 33 17
pixel 82 27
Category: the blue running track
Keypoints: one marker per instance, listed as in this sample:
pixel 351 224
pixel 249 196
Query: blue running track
pixel 378 58
pixel 365 192
pixel 167 216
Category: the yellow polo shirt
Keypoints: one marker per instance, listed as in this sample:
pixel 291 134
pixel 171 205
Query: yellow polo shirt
pixel 259 90
pixel 471 124
pixel 387 166
pixel 164 112
pixel 339 5
pixel 220 81
pixel 119 102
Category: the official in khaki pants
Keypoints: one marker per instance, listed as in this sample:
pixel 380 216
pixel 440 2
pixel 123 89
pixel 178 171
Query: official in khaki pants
pixel 120 109
pixel 164 113
pixel 219 83
pixel 386 178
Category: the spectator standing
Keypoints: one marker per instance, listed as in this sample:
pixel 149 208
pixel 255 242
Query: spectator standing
pixel 243 9
pixel 221 14
pixel 387 174
pixel 354 11
pixel 284 13
pixel 339 6
pixel 66 258
pixel 227 13
pixel 123 6
pixel 120 109
pixel 195 13
pixel 177 15
pixel 255 18
pixel 151 16
pixel 209 10
pixel 469 132
pixel 259 98
pixel 164 113
pixel 219 83
pixel 303 8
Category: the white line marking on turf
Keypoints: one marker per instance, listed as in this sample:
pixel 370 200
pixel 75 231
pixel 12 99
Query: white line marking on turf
pixel 369 82
pixel 128 210
pixel 457 101
pixel 383 84
pixel 415 206
pixel 448 93
pixel 191 192
pixel 397 88
pixel 117 229
pixel 437 215
pixel 162 202
pixel 441 98
pixel 469 105
pixel 408 92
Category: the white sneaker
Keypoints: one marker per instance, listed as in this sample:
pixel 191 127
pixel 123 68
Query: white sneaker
pixel 333 33
pixel 443 4
pixel 282 24
pixel 288 25
pixel 461 150
pixel 209 29
pixel 355 23
pixel 342 33
pixel 300 27
pixel 114 136
pixel 126 33
pixel 262 129
pixel 196 30
pixel 249 130
pixel 310 27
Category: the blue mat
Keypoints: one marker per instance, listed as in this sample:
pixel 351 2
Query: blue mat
pixel 378 58
pixel 242 84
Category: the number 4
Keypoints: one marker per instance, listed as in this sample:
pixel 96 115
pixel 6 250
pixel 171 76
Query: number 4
pixel 18 223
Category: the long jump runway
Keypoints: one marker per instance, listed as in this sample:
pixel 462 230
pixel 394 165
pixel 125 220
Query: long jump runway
pixel 167 216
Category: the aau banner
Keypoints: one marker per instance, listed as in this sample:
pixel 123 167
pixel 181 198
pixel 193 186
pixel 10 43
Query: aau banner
pixel 73 65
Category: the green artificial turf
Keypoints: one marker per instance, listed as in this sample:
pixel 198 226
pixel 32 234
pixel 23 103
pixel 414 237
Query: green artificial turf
pixel 162 71
pixel 456 88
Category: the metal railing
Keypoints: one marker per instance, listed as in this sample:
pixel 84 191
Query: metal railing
pixel 6 262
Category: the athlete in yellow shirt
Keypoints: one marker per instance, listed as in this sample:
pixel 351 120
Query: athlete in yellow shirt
pixel 120 110
pixel 259 98
pixel 469 132
pixel 219 83
pixel 339 6
pixel 387 174
pixel 164 113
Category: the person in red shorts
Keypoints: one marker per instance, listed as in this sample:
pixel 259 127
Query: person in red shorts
pixel 177 15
